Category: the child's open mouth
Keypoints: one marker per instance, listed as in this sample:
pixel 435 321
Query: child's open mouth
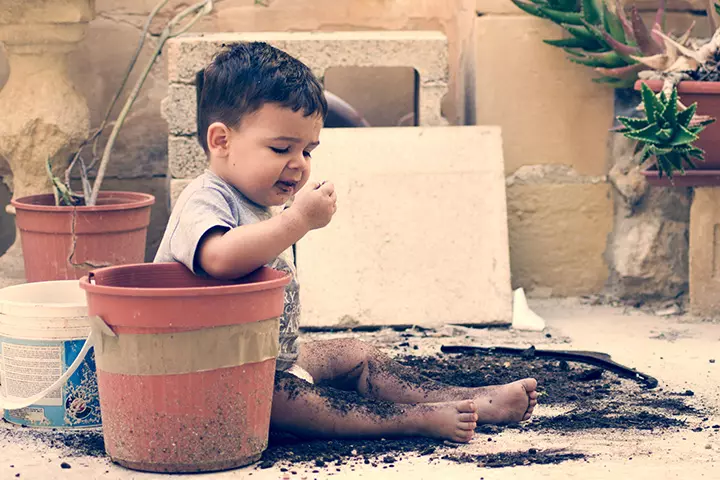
pixel 286 187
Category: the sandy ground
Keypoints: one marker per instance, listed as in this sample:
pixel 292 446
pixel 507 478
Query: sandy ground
pixel 675 349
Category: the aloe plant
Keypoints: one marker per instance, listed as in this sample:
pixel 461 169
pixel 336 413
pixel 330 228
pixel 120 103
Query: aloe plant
pixel 601 37
pixel 666 134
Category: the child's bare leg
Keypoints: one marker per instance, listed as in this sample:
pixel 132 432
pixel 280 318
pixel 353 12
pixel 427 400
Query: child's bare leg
pixel 315 411
pixel 354 365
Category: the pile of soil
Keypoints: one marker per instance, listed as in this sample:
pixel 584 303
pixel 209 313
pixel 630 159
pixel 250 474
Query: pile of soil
pixel 594 399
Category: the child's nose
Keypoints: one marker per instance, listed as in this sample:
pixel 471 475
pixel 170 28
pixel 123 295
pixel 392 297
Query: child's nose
pixel 298 162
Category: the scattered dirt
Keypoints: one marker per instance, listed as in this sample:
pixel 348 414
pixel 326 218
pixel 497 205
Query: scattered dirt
pixel 75 443
pixel 593 398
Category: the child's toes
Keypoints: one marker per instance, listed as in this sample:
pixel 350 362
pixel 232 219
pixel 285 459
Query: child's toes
pixel 464 435
pixel 466 406
pixel 468 417
pixel 467 426
pixel 533 395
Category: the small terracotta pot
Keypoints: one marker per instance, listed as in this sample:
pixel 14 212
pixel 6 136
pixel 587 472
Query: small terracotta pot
pixel 707 97
pixel 186 383
pixel 65 243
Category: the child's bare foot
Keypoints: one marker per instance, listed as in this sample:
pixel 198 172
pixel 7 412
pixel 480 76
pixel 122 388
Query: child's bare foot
pixel 509 403
pixel 454 421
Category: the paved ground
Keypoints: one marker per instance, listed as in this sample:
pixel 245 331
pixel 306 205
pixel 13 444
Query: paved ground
pixel 676 350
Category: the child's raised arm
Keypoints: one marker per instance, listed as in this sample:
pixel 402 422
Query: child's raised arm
pixel 237 252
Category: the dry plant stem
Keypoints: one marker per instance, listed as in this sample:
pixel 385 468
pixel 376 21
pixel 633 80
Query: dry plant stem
pixel 712 15
pixel 199 9
pixel 136 55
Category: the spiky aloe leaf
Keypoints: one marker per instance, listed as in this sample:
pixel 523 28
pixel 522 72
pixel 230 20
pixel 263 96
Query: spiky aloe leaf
pixel 529 8
pixel 670 113
pixel 591 12
pixel 625 73
pixel 659 23
pixel 647 152
pixel 642 34
pixel 605 59
pixel 571 18
pixel 665 134
pixel 621 48
pixel 564 5
pixel 676 161
pixel 583 32
pixel 648 134
pixel 613 25
pixel 625 22
pixel 668 165
pixel 633 123
pixel 651 103
pixel 684 117
pixel 574 42
pixel 682 136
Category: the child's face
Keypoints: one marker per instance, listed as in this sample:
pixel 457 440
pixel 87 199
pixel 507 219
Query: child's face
pixel 267 157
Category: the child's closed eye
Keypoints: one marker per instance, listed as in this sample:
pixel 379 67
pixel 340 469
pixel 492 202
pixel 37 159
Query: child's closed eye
pixel 280 151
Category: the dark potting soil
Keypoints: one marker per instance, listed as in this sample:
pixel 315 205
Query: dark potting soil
pixel 598 399
pixel 601 399
pixel 75 443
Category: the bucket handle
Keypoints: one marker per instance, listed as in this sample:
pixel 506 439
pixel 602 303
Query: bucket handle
pixel 98 328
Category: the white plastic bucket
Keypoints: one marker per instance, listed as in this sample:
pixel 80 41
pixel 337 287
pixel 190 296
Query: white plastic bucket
pixel 44 333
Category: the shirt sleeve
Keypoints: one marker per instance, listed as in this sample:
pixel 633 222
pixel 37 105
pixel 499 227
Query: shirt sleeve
pixel 205 210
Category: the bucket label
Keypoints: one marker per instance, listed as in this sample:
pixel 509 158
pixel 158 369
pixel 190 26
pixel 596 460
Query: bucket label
pixel 28 367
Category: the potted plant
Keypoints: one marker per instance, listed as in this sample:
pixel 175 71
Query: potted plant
pixel 626 53
pixel 666 135
pixel 65 234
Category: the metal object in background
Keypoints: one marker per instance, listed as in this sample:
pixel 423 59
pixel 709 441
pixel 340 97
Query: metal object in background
pixel 342 114
pixel 597 359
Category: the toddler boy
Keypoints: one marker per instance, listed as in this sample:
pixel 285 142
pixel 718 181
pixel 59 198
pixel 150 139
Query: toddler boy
pixel 259 116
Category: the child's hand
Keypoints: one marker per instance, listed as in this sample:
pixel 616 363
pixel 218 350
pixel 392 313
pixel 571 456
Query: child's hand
pixel 315 204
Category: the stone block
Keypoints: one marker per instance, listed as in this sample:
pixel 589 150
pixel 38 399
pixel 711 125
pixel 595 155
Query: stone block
pixel 179 108
pixel 188 157
pixel 426 51
pixel 420 235
pixel 705 252
pixel 176 188
pixel 549 109
pixel 558 234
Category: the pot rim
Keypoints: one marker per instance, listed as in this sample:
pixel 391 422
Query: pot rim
pixel 281 280
pixel 130 200
pixel 685 86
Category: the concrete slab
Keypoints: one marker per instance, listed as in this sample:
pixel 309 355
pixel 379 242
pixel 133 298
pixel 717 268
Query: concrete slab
pixel 679 361
pixel 420 236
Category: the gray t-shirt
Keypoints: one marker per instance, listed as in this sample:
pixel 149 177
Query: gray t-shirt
pixel 209 202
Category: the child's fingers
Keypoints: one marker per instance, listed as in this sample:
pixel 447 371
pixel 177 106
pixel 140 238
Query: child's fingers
pixel 327 188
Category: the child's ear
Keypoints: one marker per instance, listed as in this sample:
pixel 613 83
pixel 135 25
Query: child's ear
pixel 218 135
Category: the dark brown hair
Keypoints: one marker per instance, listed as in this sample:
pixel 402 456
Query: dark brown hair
pixel 245 76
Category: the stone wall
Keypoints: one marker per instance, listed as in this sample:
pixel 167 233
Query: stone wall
pixel 140 162
pixel 571 232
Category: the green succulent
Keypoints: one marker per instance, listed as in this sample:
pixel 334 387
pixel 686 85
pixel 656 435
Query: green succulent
pixel 666 133
pixel 602 38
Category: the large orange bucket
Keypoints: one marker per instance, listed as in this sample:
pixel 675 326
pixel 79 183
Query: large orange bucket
pixel 185 366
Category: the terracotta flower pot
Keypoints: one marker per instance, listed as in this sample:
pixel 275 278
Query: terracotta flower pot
pixel 65 243
pixel 707 96
pixel 186 375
